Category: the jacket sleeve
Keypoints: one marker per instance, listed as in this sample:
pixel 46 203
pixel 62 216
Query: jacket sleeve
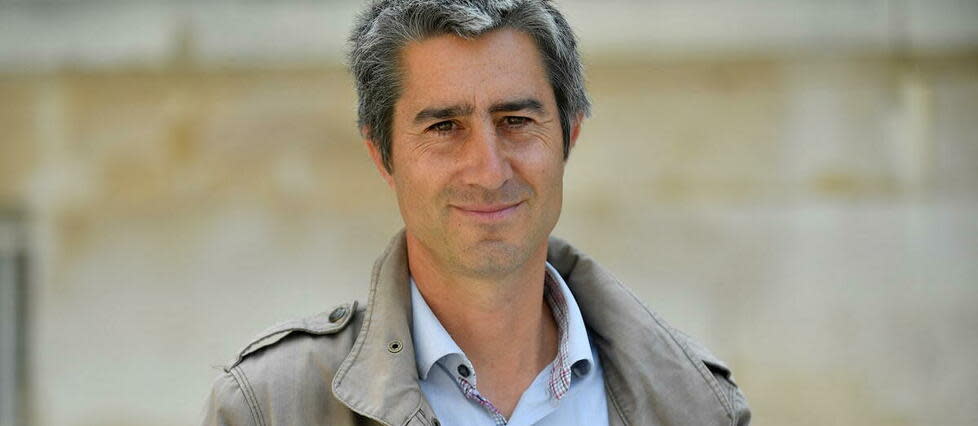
pixel 228 405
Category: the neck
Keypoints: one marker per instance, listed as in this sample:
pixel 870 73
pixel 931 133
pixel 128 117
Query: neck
pixel 487 315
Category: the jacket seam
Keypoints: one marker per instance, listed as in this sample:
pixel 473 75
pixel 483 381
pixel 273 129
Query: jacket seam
pixel 615 403
pixel 418 414
pixel 697 365
pixel 249 394
pixel 718 377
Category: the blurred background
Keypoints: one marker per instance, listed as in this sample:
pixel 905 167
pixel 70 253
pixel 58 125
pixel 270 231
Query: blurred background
pixel 793 182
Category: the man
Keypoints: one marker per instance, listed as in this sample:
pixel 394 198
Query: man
pixel 476 316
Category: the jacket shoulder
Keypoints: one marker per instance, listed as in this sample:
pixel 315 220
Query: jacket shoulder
pixel 726 387
pixel 292 361
pixel 325 323
pixel 229 404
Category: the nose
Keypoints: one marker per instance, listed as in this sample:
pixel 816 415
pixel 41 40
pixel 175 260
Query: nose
pixel 486 163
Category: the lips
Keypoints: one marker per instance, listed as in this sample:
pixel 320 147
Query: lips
pixel 489 212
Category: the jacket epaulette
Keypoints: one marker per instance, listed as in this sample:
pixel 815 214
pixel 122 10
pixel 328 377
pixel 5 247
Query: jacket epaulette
pixel 324 323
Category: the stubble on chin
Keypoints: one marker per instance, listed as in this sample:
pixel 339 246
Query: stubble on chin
pixel 490 258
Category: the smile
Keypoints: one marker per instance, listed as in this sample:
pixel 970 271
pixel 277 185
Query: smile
pixel 489 213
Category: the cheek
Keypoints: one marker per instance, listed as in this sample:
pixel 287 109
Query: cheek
pixel 545 175
pixel 417 192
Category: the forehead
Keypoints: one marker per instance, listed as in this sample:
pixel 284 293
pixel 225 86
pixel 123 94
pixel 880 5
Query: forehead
pixel 496 66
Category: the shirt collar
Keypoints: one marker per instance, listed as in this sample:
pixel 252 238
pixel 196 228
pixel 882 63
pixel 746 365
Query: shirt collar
pixel 579 355
pixel 432 342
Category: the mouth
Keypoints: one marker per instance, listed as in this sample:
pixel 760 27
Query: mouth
pixel 489 212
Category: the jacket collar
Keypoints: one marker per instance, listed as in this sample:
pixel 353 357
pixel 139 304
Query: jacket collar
pixel 378 379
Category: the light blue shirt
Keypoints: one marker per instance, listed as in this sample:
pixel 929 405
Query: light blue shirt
pixel 439 359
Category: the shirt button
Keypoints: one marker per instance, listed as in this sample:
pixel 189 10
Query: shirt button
pixel 463 370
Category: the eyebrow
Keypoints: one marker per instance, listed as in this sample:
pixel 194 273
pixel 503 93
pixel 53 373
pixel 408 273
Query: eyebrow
pixel 518 105
pixel 441 113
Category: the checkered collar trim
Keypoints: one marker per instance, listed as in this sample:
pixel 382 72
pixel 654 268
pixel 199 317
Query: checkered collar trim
pixel 560 372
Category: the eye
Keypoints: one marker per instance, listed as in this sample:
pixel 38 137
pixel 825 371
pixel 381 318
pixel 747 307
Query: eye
pixel 442 127
pixel 515 121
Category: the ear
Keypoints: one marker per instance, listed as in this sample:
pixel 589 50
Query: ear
pixel 378 162
pixel 575 130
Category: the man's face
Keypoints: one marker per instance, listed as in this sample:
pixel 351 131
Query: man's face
pixel 477 155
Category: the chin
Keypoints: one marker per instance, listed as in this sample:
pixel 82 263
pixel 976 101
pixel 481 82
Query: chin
pixel 493 258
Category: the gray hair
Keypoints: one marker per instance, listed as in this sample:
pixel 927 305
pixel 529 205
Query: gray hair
pixel 385 26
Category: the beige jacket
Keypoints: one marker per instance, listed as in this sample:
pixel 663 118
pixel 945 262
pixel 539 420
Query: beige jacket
pixel 355 366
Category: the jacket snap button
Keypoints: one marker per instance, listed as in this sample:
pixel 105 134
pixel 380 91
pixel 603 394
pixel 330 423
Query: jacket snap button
pixel 337 314
pixel 395 346
pixel 463 370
